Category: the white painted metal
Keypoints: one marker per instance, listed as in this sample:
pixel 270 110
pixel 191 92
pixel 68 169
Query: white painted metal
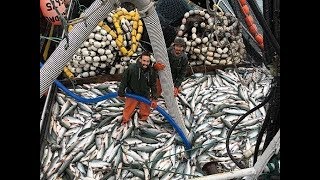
pixel 265 157
pixel 253 172
pixel 229 175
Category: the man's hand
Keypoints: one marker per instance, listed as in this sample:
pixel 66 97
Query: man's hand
pixel 153 104
pixel 158 66
pixel 122 98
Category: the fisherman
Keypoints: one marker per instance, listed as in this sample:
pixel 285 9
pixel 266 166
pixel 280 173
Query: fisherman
pixel 178 63
pixel 139 79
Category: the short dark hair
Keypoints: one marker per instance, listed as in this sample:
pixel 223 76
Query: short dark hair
pixel 145 53
pixel 179 41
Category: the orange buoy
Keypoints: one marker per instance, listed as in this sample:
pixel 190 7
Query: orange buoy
pixel 245 9
pixel 249 20
pixel 259 39
pixel 243 2
pixel 250 23
pixel 50 13
pixel 253 29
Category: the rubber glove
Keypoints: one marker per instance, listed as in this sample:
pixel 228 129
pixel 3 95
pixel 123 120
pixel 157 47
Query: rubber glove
pixel 175 91
pixel 153 104
pixel 159 66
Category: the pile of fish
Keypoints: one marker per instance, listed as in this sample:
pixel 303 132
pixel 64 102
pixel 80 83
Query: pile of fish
pixel 111 46
pixel 87 141
pixel 212 39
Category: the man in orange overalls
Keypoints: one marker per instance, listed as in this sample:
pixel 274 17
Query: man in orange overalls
pixel 140 79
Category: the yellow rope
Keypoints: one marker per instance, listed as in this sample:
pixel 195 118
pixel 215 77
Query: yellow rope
pixel 137 29
pixel 46 49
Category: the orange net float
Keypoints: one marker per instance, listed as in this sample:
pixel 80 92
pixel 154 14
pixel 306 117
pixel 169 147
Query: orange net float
pixel 243 2
pixel 259 39
pixel 245 10
pixel 249 20
pixel 50 13
pixel 253 29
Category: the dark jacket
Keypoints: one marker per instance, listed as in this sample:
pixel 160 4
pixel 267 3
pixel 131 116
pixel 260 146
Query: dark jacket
pixel 178 66
pixel 138 81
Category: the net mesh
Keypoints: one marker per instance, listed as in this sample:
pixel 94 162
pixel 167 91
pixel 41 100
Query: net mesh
pixel 172 10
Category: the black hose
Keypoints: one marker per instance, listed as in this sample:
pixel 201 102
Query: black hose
pixel 274 111
pixel 259 139
pixel 271 123
pixel 235 124
pixel 271 13
pixel 264 26
pixel 265 124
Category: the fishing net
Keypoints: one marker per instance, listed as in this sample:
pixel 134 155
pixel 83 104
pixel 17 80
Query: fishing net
pixel 172 10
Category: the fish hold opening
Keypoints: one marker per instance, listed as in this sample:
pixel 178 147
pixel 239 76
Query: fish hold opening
pixel 210 168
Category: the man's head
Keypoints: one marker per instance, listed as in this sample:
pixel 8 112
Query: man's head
pixel 178 45
pixel 145 59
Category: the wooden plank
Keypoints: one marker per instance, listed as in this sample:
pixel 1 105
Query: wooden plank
pixel 208 69
pixel 95 79
pixel 117 77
